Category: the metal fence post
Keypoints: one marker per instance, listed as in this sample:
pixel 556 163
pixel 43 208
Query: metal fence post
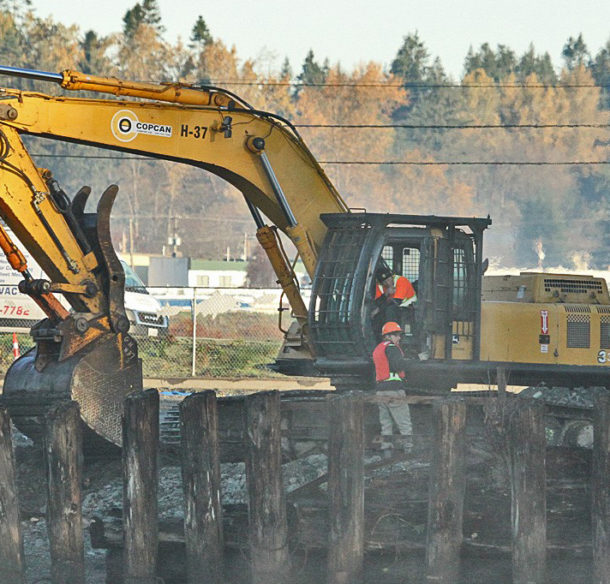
pixel 194 311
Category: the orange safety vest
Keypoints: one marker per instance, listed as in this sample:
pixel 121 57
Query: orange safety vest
pixel 404 291
pixel 382 365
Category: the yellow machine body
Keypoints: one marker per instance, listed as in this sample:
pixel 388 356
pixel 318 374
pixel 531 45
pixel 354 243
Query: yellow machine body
pixel 551 319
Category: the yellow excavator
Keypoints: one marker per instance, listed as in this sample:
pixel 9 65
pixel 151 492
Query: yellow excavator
pixel 540 328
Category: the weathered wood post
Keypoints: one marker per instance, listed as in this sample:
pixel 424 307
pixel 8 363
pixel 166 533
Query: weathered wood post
pixel 201 482
pixel 140 484
pixel 600 491
pixel 64 463
pixel 11 539
pixel 446 492
pixel 501 381
pixel 346 488
pixel 270 558
pixel 528 488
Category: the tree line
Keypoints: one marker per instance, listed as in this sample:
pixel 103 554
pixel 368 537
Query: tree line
pixel 517 136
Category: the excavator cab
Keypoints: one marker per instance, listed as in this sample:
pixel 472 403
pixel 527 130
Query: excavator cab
pixel 441 256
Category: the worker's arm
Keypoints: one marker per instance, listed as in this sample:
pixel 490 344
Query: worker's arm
pixel 396 358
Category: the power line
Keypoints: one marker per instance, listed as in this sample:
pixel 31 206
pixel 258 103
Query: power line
pixel 499 85
pixel 465 163
pixel 445 127
pixel 450 126
pixel 377 162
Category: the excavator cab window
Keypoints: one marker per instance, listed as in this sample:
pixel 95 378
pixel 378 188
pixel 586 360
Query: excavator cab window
pixel 463 278
pixel 403 259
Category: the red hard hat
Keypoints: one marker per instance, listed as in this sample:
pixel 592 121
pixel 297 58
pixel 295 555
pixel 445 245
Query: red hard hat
pixel 391 327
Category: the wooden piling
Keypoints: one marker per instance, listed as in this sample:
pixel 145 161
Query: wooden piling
pixel 201 481
pixel 528 488
pixel 600 491
pixel 11 538
pixel 446 492
pixel 346 488
pixel 501 381
pixel 64 464
pixel 268 527
pixel 140 485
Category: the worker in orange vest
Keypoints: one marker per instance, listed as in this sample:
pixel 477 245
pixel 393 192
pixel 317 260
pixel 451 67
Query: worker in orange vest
pixel 393 286
pixel 393 295
pixel 390 365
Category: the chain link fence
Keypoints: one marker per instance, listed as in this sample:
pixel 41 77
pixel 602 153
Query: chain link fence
pixel 210 332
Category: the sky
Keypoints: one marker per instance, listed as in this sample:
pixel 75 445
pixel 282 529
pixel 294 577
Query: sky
pixel 353 32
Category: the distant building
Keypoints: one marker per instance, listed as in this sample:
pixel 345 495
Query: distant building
pixel 217 274
pixel 201 273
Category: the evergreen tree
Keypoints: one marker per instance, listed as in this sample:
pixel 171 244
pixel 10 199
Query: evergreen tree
pixel 146 13
pixel 506 62
pixel 312 73
pixel 94 60
pixel 539 65
pixel 200 35
pixel 483 59
pixel 152 17
pixel 496 65
pixel 601 73
pixel 575 53
pixel 411 61
pixel 132 20
pixel 286 70
pixel 412 65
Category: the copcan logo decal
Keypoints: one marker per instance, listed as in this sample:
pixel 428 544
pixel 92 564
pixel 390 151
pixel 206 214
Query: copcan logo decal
pixel 125 127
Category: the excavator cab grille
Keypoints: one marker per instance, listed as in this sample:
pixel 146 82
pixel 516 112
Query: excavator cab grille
pixel 338 290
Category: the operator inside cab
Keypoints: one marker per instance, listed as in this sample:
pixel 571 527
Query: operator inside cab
pixel 394 297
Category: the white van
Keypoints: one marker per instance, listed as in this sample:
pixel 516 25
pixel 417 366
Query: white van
pixel 18 312
pixel 143 310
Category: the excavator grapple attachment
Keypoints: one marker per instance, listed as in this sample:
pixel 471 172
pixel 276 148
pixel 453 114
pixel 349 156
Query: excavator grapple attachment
pixel 98 379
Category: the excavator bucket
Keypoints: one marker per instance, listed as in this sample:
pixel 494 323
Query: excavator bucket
pixel 98 380
pixel 85 356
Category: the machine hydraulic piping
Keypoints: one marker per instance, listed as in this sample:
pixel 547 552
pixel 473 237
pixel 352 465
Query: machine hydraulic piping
pixel 46 301
pixel 294 230
pixel 286 278
pixel 169 92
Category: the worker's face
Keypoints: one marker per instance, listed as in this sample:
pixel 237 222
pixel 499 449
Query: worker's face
pixel 395 338
pixel 388 286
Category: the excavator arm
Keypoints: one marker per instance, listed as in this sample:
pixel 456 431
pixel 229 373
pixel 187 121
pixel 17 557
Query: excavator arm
pixel 259 153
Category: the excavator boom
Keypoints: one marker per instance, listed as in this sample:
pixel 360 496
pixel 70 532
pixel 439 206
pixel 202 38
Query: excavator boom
pixel 259 153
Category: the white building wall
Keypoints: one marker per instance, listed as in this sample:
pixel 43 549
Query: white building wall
pixel 217 278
